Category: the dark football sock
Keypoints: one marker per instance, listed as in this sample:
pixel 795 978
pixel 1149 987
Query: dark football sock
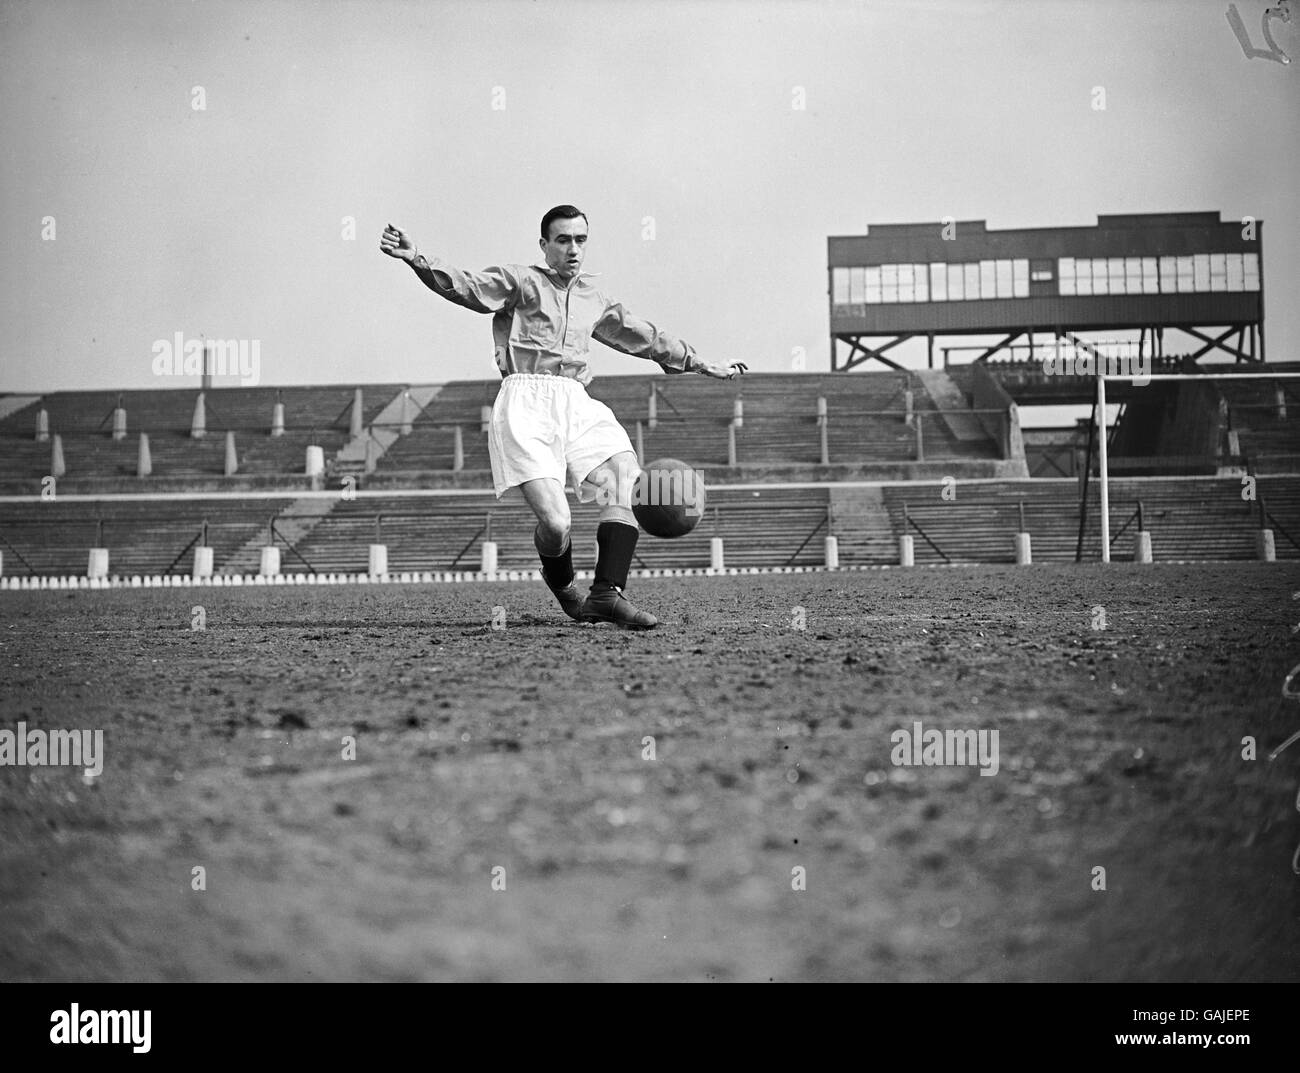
pixel 616 543
pixel 557 570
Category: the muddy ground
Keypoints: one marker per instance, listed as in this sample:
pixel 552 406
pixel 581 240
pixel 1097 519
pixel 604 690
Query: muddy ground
pixel 524 749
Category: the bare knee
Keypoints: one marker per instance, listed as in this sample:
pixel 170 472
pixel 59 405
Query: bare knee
pixel 546 498
pixel 553 527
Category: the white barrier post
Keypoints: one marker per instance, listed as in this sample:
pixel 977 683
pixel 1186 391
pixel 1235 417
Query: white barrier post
pixel 57 467
pixel 203 562
pixel 458 450
pixel 906 552
pixel 97 566
pixel 277 419
pixel 199 424
pixel 144 460
pixel 232 456
pixel 315 460
pixel 832 553
pixel 1265 548
pixel 42 425
pixel 717 560
pixel 378 559
pixel 1142 547
pixel 270 565
pixel 119 421
pixel 488 559
pixel 1024 553
pixel 354 425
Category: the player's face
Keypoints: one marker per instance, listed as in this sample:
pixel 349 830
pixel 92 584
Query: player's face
pixel 566 247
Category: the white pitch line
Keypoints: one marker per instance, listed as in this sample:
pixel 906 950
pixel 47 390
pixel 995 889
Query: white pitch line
pixel 81 583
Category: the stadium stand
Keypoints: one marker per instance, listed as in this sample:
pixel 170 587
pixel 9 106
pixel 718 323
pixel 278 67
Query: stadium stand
pixel 1264 418
pixel 866 419
pixel 760 527
pixel 142 536
pixel 1188 518
pixel 773 508
pixel 431 444
pixel 84 421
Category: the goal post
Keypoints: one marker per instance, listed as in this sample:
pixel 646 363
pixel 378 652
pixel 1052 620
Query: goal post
pixel 1103 456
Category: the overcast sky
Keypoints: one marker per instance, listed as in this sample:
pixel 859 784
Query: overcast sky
pixel 228 221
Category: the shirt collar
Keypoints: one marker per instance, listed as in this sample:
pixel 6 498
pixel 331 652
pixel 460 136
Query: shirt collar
pixel 551 272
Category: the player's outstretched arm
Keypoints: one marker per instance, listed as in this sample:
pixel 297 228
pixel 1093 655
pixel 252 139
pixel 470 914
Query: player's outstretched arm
pixel 483 292
pixel 629 334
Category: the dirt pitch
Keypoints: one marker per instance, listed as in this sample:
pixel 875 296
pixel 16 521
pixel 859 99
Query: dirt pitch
pixel 522 748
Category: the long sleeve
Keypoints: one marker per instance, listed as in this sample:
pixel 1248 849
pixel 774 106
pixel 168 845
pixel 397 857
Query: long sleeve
pixel 484 292
pixel 621 330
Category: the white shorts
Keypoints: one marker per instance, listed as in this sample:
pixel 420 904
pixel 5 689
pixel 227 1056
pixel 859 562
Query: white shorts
pixel 548 426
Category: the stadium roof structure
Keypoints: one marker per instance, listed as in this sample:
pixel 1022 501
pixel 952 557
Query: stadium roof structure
pixel 1192 271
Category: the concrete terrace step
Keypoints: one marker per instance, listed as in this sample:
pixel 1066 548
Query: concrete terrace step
pixel 951 400
pixel 384 430
pixel 293 524
pixel 15 404
pixel 862 524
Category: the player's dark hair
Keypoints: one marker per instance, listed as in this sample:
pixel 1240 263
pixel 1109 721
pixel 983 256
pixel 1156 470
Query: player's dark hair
pixel 560 212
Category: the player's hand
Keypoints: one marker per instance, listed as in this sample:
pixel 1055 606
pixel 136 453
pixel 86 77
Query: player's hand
pixel 725 372
pixel 397 243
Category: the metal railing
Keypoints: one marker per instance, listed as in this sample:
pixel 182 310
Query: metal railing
pixel 825 523
pixel 170 543
pixel 996 511
pixel 1268 520
pixel 1023 357
pixel 910 522
pixel 820 427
